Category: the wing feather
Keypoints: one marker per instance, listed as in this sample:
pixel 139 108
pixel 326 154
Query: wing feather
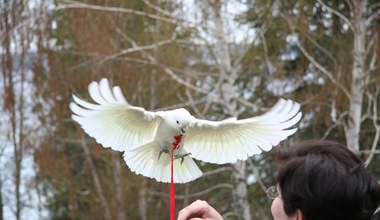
pixel 94 90
pixel 112 121
pixel 106 91
pixel 231 140
pixel 119 95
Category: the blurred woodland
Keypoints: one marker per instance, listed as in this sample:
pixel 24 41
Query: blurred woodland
pixel 216 58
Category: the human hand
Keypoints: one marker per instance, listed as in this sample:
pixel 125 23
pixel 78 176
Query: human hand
pixel 199 210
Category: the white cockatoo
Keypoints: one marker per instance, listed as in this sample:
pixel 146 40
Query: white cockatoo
pixel 147 138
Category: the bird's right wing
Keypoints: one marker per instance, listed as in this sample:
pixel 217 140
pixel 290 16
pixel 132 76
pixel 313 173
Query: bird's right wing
pixel 112 121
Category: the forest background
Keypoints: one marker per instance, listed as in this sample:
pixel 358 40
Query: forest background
pixel 217 58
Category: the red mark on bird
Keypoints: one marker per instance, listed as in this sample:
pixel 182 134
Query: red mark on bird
pixel 177 141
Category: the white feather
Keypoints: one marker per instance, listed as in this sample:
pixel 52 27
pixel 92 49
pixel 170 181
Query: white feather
pixel 119 95
pixel 93 89
pixel 106 92
pixel 87 104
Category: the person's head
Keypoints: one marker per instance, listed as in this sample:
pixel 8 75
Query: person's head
pixel 324 180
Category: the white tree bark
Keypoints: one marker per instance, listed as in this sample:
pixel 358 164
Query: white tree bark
pixel 352 127
pixel 230 95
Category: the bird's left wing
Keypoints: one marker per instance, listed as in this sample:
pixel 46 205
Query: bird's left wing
pixel 231 140
pixel 112 121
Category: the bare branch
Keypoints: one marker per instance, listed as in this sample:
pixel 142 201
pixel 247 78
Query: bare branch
pixel 369 151
pixel 193 106
pixel 373 64
pixel 373 16
pixel 374 98
pixel 206 106
pixel 329 129
pixel 208 190
pixel 216 171
pixel 246 103
pixel 77 5
pixel 373 6
pixel 265 47
pixel 194 195
pixel 322 69
pixel 321 48
pixel 167 70
pixel 135 49
pixel 259 180
pixel 228 215
pixel 337 13
pixel 350 4
pixel 183 82
pixel 336 124
pixel 157 8
pixel 190 103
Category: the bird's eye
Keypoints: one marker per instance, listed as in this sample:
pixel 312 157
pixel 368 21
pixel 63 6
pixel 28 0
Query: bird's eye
pixel 177 122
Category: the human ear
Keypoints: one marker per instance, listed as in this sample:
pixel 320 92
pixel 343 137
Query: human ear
pixel 299 215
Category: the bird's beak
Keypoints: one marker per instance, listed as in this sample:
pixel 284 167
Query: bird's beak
pixel 183 129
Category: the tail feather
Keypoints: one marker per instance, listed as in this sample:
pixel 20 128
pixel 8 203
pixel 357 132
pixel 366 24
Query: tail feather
pixel 144 160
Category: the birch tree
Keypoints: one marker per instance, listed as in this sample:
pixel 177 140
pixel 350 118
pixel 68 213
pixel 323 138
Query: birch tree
pixel 226 87
pixel 359 74
pixel 16 121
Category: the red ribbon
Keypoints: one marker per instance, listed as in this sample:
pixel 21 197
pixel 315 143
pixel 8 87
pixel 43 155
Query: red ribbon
pixel 176 145
pixel 172 192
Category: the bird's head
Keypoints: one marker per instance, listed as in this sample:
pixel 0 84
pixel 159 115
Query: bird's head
pixel 179 118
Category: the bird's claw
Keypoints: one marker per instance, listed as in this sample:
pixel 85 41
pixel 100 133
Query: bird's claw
pixel 163 151
pixel 182 157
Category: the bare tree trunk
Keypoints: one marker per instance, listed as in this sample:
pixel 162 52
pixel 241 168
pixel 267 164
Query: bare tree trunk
pixel 17 161
pixel 1 199
pixel 19 144
pixel 352 127
pixel 10 104
pixel 240 191
pixel 95 177
pixel 1 190
pixel 142 200
pixel 117 176
pixel 229 94
pixel 143 204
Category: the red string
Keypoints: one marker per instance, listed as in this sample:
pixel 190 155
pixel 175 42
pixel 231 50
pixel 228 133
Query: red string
pixel 172 192
pixel 176 143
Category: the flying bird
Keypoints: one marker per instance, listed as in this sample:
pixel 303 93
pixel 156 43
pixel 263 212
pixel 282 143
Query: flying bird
pixel 147 137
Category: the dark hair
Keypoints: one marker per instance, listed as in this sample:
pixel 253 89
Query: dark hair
pixel 325 180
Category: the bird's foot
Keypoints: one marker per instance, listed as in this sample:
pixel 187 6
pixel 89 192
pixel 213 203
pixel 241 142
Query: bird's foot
pixel 163 151
pixel 182 157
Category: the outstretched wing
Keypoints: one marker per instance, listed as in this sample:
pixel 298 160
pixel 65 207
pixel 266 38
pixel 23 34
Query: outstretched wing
pixel 112 121
pixel 231 140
